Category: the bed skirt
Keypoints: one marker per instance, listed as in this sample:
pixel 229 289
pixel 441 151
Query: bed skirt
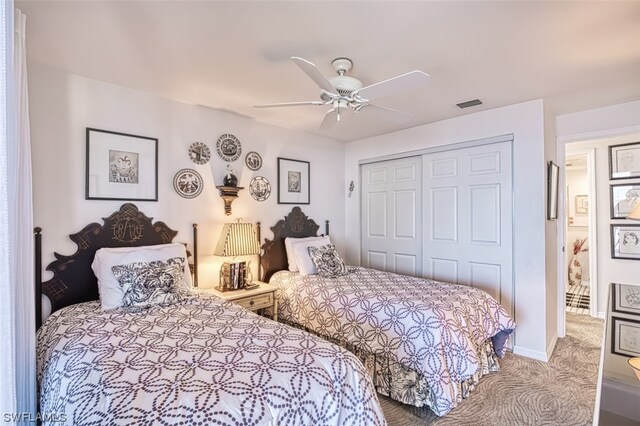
pixel 405 385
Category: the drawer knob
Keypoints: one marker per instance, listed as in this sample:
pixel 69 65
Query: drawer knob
pixel 251 302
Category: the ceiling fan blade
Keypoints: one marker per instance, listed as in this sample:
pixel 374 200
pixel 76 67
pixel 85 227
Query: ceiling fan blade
pixel 410 80
pixel 388 114
pixel 288 104
pixel 314 73
pixel 330 120
pixel 333 119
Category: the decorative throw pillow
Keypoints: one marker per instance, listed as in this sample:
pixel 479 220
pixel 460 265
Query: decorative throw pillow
pixel 110 290
pixel 327 260
pixel 290 242
pixel 151 283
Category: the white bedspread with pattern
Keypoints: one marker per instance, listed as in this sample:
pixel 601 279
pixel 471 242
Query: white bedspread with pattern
pixel 202 361
pixel 436 329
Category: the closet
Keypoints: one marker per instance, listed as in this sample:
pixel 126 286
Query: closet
pixel 445 214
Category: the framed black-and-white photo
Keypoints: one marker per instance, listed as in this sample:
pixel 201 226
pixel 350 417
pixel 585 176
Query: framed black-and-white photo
pixel 626 299
pixel 624 198
pixel 625 336
pixel 625 242
pixel 294 181
pixel 120 166
pixel 582 204
pixel 624 161
pixel 553 175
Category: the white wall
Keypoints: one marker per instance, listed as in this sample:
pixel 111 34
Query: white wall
pixel 600 128
pixel 550 239
pixel 63 105
pixel 526 122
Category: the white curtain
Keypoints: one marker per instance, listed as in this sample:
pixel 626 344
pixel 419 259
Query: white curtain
pixel 17 323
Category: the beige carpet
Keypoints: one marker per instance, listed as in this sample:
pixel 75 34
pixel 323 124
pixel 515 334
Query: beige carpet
pixel 525 391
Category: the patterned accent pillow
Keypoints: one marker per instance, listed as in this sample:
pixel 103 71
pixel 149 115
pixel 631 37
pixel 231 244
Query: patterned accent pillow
pixel 151 283
pixel 327 260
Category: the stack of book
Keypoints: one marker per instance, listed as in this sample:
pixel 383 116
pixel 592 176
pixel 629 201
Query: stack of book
pixel 232 276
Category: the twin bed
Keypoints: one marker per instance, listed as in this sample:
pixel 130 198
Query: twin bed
pixel 200 359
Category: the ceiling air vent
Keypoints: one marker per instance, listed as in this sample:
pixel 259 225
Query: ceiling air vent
pixel 470 103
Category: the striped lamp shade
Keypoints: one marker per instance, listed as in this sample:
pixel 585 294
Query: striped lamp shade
pixel 237 239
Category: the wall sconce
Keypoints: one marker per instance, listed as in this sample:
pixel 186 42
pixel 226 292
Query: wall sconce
pixel 352 186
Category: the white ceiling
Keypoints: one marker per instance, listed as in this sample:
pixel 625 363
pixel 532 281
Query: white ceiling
pixel 233 55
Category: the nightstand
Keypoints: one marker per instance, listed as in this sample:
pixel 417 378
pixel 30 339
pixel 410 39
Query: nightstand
pixel 253 300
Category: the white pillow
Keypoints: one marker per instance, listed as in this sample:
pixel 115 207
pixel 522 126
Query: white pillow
pixel 301 254
pixel 288 246
pixel 111 293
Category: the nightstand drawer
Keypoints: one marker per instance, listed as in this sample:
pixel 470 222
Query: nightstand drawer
pixel 256 302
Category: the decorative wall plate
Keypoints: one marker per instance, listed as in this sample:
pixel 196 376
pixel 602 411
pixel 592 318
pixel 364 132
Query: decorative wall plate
pixel 253 160
pixel 260 188
pixel 228 147
pixel 188 183
pixel 199 153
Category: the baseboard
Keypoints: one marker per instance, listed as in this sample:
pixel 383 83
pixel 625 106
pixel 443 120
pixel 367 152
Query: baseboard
pixel 601 315
pixel 551 347
pixel 538 355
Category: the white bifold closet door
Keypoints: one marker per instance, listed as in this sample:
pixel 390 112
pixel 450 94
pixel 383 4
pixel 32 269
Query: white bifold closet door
pixel 391 200
pixel 467 216
pixel 444 215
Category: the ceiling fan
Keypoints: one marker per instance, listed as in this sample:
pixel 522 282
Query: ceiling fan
pixel 345 94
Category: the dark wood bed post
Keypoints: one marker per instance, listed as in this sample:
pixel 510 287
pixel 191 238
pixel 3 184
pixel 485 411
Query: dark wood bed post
pixel 38 275
pixel 326 227
pixel 195 255
pixel 259 254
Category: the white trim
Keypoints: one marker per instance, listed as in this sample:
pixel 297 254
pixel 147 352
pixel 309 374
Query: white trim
pixel 552 346
pixel 441 148
pixel 540 356
pixel 600 134
pixel 561 235
pixel 592 231
pixel 601 315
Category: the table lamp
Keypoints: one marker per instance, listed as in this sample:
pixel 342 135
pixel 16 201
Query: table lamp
pixel 236 239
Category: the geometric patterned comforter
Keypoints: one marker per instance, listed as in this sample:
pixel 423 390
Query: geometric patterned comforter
pixel 196 362
pixel 438 331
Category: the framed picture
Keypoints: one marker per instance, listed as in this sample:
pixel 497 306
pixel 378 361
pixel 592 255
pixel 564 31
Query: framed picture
pixel 582 204
pixel 553 175
pixel 625 242
pixel 624 198
pixel 625 336
pixel 294 182
pixel 121 166
pixel 626 299
pixel 624 161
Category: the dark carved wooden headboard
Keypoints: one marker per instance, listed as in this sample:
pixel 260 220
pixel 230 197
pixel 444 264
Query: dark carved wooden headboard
pixel 297 225
pixel 73 279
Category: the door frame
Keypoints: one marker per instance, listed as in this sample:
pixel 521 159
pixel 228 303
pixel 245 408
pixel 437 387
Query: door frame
pixel 561 143
pixel 592 233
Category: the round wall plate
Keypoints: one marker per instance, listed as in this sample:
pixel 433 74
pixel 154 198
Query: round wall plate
pixel 253 160
pixel 199 153
pixel 228 147
pixel 260 188
pixel 188 183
